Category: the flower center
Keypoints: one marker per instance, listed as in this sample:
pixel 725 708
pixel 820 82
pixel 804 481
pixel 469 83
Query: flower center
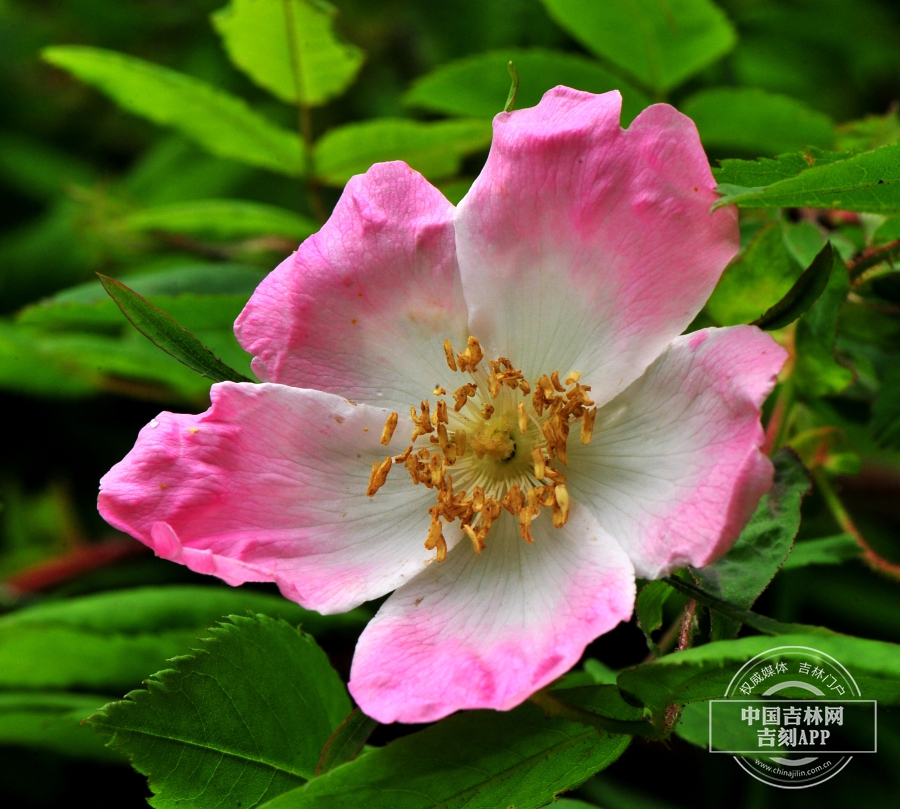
pixel 493 448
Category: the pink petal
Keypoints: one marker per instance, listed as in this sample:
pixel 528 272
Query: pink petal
pixel 363 307
pixel 270 485
pixel 488 631
pixel 674 469
pixel 586 247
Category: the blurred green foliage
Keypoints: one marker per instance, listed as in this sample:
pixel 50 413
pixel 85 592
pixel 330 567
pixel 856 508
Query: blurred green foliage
pixel 187 148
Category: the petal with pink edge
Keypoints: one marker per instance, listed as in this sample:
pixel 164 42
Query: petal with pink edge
pixel 488 631
pixel 269 484
pixel 583 246
pixel 674 469
pixel 363 307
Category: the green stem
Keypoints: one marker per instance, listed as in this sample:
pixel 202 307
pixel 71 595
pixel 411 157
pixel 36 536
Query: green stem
pixel 304 116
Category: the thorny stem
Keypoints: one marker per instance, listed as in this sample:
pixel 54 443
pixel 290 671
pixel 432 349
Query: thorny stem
pixel 304 116
pixel 673 712
pixel 845 521
pixel 871 258
pixel 687 624
pixel 667 641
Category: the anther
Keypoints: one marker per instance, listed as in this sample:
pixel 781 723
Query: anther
pixel 557 385
pixel 439 391
pixel 389 426
pixel 514 502
pixel 540 466
pixel 403 456
pixel 487 411
pixel 462 395
pixel 476 540
pixel 561 511
pixel 448 353
pixel 587 425
pixel 573 377
pixel 469 359
pixel 525 517
pixel 523 417
pixel 379 475
pixel 459 437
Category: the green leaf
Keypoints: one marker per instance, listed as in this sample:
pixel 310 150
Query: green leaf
pixel 825 551
pixel 604 705
pixel 346 742
pixel 745 175
pixel 241 720
pixel 38 171
pixel 26 366
pixel 703 673
pixel 755 121
pixel 888 231
pixel 202 279
pixel 53 722
pixel 195 312
pixel 221 123
pixel 816 372
pixel 289 47
pixel 886 411
pixel 802 295
pixel 762 275
pixel 220 219
pixel 761 623
pixel 476 86
pixel 434 149
pixel 649 609
pixel 110 641
pixel 742 574
pixel 867 182
pixel 660 44
pixel 163 331
pixel 476 759
pixel 870 132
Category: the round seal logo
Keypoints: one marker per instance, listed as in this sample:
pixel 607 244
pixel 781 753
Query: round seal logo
pixel 793 717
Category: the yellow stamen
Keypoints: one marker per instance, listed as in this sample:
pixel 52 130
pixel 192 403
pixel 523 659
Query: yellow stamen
pixel 523 417
pixel 561 511
pixel 587 425
pixel 459 437
pixel 389 426
pixel 540 467
pixel 514 501
pixel 477 542
pixel 379 475
pixel 508 469
pixel 469 359
pixel 462 395
pixel 448 353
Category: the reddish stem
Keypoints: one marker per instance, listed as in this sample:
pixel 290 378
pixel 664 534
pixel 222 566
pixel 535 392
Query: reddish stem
pixel 61 569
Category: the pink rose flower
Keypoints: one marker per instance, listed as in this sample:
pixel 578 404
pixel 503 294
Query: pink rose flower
pixel 566 437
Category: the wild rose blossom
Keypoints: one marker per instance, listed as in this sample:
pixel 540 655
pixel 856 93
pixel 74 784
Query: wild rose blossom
pixel 562 436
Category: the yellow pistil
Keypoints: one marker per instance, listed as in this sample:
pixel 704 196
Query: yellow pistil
pixel 495 448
